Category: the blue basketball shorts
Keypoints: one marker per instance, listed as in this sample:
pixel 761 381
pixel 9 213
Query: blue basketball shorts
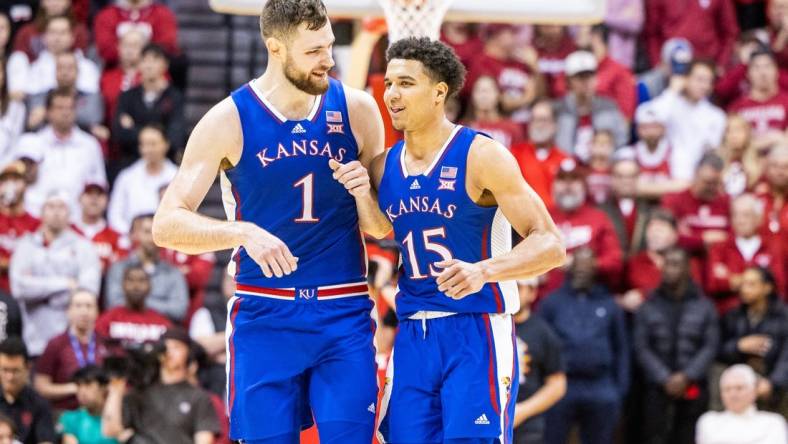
pixel 292 359
pixel 452 377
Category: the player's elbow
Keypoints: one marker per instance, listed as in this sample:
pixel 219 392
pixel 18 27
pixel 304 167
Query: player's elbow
pixel 556 250
pixel 161 232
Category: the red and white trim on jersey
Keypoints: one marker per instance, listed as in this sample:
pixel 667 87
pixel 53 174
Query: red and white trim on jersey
pixel 435 160
pixel 323 293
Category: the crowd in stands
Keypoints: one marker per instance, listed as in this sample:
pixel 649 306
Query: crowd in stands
pixel 658 141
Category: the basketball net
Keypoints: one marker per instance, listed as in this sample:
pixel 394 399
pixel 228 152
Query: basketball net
pixel 414 18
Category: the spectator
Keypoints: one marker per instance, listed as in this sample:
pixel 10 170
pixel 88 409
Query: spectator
pixel 582 225
pixel 19 12
pixel 207 328
pixel 91 224
pixel 168 291
pixel 734 84
pixel 136 189
pixel 29 39
pixel 45 268
pixel 5 34
pixel 542 374
pixel 484 113
pixel 67 157
pixel 625 20
pixel 133 323
pixel 626 211
pixel 196 358
pixel 774 191
pixel 12 115
pixel 463 38
pixel 39 75
pixel 10 317
pixel 15 222
pixel 153 101
pixel 675 58
pixel 83 426
pixel 644 270
pixel 702 210
pixel 728 260
pixel 592 330
pixel 126 74
pixel 553 44
pixel 741 422
pixel 7 431
pixel 149 411
pixel 676 339
pixel 90 105
pixel 765 107
pixel 197 269
pixel 742 166
pixel 709 25
pixel 778 30
pixel 600 162
pixel 653 154
pixel 29 411
pixel 582 111
pixel 70 351
pixel 693 124
pixel 154 20
pixel 540 157
pixel 756 333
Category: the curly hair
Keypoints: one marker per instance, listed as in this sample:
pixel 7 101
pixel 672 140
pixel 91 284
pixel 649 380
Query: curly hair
pixel 440 62
pixel 280 18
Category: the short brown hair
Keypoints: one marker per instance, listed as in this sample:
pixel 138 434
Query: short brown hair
pixel 280 18
pixel 61 91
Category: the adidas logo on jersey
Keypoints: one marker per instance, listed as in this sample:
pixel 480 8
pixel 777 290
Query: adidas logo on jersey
pixel 371 408
pixel 298 129
pixel 482 420
pixel 415 185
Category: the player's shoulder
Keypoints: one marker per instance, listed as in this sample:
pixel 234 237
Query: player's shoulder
pixel 487 151
pixel 220 126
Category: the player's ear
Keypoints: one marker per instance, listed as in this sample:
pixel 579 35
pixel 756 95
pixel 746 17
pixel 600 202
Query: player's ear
pixel 276 48
pixel 441 92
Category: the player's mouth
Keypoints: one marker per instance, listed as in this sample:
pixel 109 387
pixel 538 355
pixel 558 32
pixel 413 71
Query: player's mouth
pixel 395 110
pixel 320 75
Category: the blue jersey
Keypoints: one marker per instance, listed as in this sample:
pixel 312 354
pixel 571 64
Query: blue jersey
pixel 434 219
pixel 283 184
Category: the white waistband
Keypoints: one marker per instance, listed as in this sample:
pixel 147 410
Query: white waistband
pixel 431 314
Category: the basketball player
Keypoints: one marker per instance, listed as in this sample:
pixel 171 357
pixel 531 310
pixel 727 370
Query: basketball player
pixel 448 192
pixel 292 147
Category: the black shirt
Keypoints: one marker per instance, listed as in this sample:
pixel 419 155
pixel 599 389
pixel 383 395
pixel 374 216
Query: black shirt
pixel 542 359
pixel 32 416
pixel 10 317
pixel 166 110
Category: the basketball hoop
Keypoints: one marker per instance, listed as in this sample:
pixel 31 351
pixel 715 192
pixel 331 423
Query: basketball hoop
pixel 414 18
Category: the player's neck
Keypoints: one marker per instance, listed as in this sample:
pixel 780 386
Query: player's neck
pixel 293 103
pixel 427 140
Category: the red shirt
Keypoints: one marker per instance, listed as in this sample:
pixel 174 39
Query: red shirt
pixel 654 165
pixel 113 82
pixel 598 183
pixel 614 81
pixel 643 273
pixel 505 131
pixel 734 85
pixel 156 18
pixel 106 241
pixel 12 228
pixel 467 50
pixel 775 210
pixel 132 327
pixel 552 60
pixel 512 77
pixel 695 216
pixel 770 114
pixel 538 171
pixel 60 362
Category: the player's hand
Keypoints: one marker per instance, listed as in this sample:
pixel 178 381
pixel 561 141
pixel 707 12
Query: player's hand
pixel 270 253
pixel 352 175
pixel 459 279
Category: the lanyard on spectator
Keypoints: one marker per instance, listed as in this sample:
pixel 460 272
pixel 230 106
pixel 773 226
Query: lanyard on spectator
pixel 75 345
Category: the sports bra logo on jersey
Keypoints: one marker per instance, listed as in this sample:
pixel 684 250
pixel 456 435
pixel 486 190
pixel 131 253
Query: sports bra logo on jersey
pixel 303 147
pixel 420 204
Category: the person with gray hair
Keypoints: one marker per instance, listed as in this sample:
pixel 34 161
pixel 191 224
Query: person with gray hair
pixel 741 422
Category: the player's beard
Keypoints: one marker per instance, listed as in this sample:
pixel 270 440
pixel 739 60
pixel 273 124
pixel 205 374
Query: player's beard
pixel 303 80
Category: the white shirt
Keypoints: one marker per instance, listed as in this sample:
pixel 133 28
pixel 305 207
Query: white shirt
pixel 136 192
pixel 691 129
pixel 40 76
pixel 11 125
pixel 66 165
pixel 751 427
pixel 748 247
pixel 201 324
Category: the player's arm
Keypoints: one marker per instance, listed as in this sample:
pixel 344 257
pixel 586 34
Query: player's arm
pixel 492 168
pixel 367 127
pixel 217 138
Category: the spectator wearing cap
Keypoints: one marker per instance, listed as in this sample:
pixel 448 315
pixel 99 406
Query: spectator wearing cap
pixel 676 337
pixel 693 125
pixel 83 425
pixel 675 57
pixel 30 412
pixel 765 107
pixel 625 20
pixel 77 347
pixel 133 323
pixel 91 224
pixel 613 80
pixel 484 113
pixel 582 225
pixel 746 247
pixel 553 44
pixel 539 158
pixel 67 158
pixel 627 212
pixel 774 192
pixel 171 410
pixel 741 422
pixel 582 111
pixel 136 189
pixel 45 268
pixel 756 333
pixel 709 25
pixel 168 291
pixel 15 222
pixel 743 163
pixel 126 74
pixel 653 154
pixel 595 346
pixel 12 115
pixel 542 369
pixel 155 100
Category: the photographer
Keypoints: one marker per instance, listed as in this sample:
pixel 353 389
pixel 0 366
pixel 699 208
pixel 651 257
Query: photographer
pixel 171 410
